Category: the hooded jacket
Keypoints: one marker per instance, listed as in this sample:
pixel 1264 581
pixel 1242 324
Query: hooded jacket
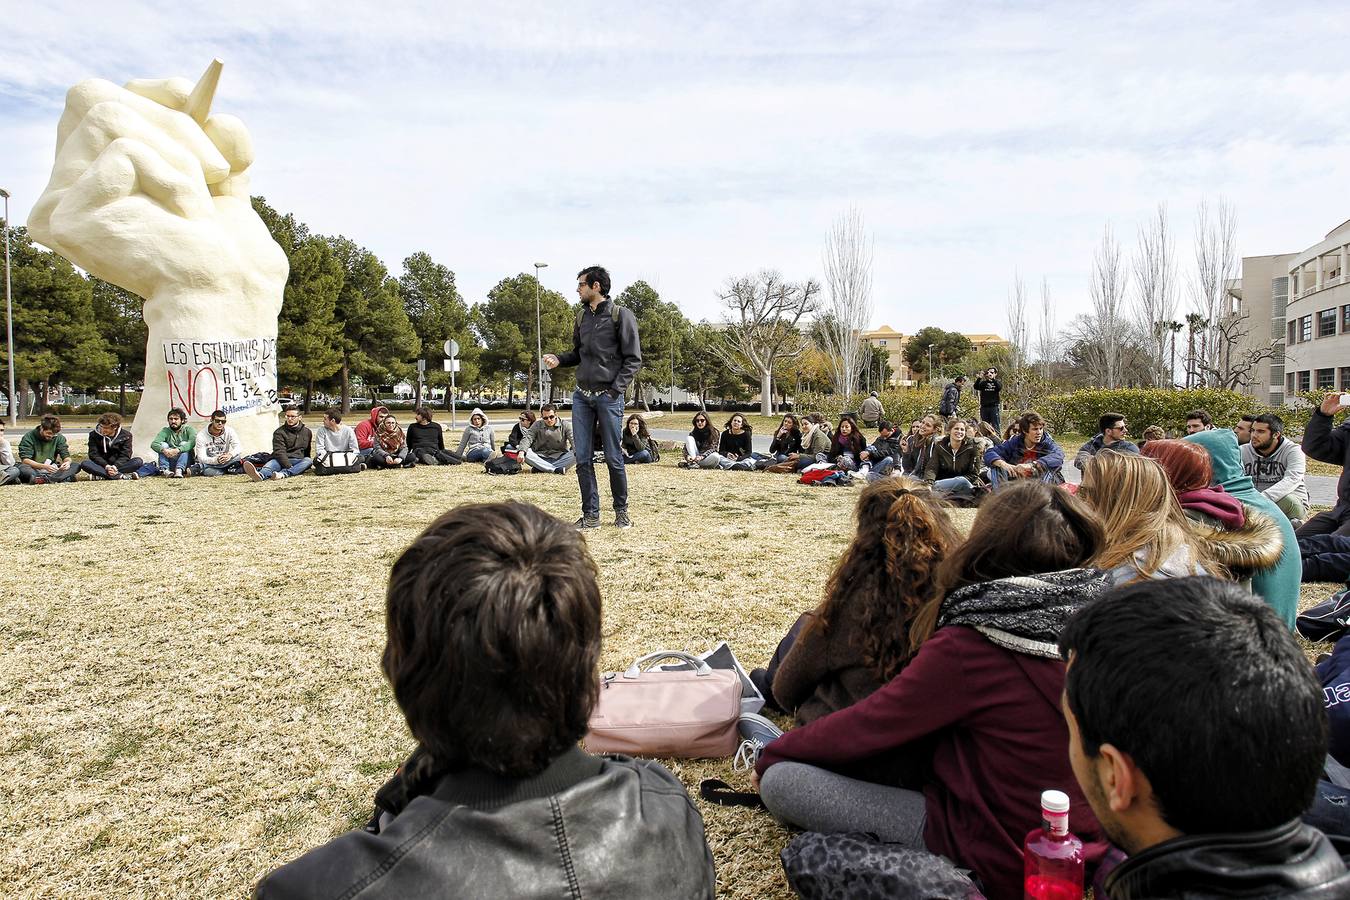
pixel 1278 585
pixel 476 436
pixel 365 431
pixel 110 451
pixel 951 398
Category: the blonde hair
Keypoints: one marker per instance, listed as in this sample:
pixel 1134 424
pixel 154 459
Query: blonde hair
pixel 1140 511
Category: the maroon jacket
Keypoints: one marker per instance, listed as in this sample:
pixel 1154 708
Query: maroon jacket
pixel 999 740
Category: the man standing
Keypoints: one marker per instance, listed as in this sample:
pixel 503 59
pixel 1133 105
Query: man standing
pixel 290 450
pixel 217 449
pixel 990 390
pixel 1277 467
pixel 44 457
pixel 872 410
pixel 951 396
pixel 1330 445
pixel 607 353
pixel 1145 755
pixel 547 445
pixel 1110 437
pixel 110 452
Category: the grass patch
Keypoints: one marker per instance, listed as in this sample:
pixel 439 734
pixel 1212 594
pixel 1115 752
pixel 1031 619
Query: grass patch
pixel 124 744
pixel 71 537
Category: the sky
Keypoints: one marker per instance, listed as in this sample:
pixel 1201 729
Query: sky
pixel 688 143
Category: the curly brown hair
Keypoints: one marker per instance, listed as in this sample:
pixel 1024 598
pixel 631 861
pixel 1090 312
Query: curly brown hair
pixel 890 568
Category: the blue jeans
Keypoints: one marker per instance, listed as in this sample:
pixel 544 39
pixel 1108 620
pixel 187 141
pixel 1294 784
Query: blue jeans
pixel 297 466
pixel 478 454
pixel 882 466
pixel 608 410
pixel 959 486
pixel 544 464
pixel 211 469
pixel 997 477
pixel 179 463
pixel 642 456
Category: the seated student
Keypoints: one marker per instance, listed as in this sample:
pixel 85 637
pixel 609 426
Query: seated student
pixel 1243 429
pixel 44 457
pixel 9 467
pixel 290 450
pixel 493 652
pixel 1147 534
pixel 1177 691
pixel 981 695
pixel 1277 466
pixel 786 442
pixel 548 444
pixel 1031 453
pixel 857 639
pixel 914 461
pixel 735 448
pixel 173 446
pixel 1278 584
pixel 426 441
pixel 700 446
pixel 636 441
pixel 365 431
pixel 110 451
pixel 391 447
pixel 983 434
pixel 1152 433
pixel 1331 445
pixel 1198 420
pixel 880 457
pixel 478 443
pixel 816 441
pixel 1191 475
pixel 524 421
pixel 1111 436
pixel 217 450
pixel 846 446
pixel 954 464
pixel 336 451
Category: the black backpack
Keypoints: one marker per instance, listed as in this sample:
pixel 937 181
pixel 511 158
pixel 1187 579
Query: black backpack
pixel 654 450
pixel 502 465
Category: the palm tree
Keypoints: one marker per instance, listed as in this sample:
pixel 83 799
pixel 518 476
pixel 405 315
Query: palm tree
pixel 1194 322
pixel 1175 328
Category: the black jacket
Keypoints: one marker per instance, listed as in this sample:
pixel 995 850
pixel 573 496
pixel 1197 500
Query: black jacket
pixel 884 447
pixel 110 451
pixel 290 444
pixel 1292 860
pixel 586 826
pixel 942 463
pixel 608 353
pixel 737 445
pixel 786 443
pixel 951 396
pixel 1331 445
pixel 990 391
pixel 424 437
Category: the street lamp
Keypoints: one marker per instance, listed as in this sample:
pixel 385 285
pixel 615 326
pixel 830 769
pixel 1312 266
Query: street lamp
pixel 538 340
pixel 9 321
pixel 930 363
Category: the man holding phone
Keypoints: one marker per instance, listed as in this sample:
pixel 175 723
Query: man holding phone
pixel 1330 445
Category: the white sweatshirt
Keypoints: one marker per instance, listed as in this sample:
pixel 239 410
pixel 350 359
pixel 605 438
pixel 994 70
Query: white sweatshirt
pixel 209 447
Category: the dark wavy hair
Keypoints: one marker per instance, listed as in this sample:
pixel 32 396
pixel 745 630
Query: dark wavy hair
pixel 890 569
pixel 642 426
pixel 494 639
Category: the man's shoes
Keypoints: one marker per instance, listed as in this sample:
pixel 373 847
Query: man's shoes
pixel 131 476
pixel 163 473
pixel 177 473
pixel 82 475
pixel 559 471
pixel 586 523
pixel 42 479
pixel 621 519
pixel 756 733
pixel 251 470
pixel 279 476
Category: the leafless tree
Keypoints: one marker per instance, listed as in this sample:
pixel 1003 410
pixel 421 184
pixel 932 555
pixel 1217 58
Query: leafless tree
pixel 847 310
pixel 1216 269
pixel 1154 266
pixel 1017 321
pixel 761 326
pixel 1109 279
pixel 1047 344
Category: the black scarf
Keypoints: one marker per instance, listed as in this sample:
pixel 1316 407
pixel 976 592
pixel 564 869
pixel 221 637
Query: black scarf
pixel 1024 614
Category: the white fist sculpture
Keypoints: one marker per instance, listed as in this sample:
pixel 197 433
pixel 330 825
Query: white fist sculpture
pixel 150 193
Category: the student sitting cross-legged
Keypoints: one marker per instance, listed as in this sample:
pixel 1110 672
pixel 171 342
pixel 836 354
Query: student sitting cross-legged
pixel 477 443
pixel 173 446
pixel 426 440
pixel 1031 453
pixel 547 445
pixel 980 696
pixel 493 652
pixel 290 451
pixel 636 441
pixel 216 449
pixel 110 451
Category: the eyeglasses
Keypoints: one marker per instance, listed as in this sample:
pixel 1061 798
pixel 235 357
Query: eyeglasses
pixel 549 418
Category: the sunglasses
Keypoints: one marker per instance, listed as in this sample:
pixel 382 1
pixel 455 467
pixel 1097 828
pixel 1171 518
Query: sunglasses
pixel 549 418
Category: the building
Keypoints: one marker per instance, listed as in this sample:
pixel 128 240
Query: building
pixel 1317 317
pixel 1262 296
pixel 893 342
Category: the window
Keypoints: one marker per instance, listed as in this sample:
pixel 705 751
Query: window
pixel 881 343
pixel 1289 383
pixel 1279 295
pixel 1345 319
pixel 1305 381
pixel 1326 323
pixel 1326 379
pixel 1345 378
pixel 1305 329
pixel 1293 332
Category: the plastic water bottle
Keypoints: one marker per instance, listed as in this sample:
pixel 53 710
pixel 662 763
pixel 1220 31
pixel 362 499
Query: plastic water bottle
pixel 1054 857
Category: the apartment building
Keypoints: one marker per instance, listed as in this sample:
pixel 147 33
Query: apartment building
pixel 893 342
pixel 1317 316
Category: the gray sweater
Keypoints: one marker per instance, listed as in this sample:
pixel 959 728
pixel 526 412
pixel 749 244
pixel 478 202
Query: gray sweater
pixel 1281 473
pixel 340 441
pixel 475 437
pixel 544 440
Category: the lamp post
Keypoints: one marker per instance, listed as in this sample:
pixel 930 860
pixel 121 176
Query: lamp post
pixel 9 321
pixel 538 340
pixel 930 363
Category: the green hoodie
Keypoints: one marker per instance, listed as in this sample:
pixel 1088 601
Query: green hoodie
pixel 1279 586
pixel 32 446
pixel 181 440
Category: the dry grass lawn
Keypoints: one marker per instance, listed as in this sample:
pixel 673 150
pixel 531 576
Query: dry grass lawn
pixel 190 692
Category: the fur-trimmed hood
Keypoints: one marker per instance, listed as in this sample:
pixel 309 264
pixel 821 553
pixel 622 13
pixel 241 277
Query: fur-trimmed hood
pixel 1255 546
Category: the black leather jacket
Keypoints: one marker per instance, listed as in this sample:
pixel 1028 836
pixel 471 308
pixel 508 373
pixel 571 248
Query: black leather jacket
pixel 607 353
pixel 586 827
pixel 1292 861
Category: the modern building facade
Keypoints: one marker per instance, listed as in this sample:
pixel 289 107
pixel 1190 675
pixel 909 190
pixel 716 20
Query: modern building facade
pixel 893 342
pixel 1262 297
pixel 1317 317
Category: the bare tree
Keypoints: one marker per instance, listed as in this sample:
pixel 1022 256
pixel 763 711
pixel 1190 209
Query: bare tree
pixel 761 326
pixel 1216 268
pixel 1047 344
pixel 1017 321
pixel 1154 266
pixel 1109 280
pixel 847 311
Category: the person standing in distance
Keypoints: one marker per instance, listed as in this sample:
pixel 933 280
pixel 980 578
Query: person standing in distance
pixel 990 391
pixel 607 354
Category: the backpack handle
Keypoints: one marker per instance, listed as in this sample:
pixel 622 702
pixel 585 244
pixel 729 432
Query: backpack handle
pixel 700 666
